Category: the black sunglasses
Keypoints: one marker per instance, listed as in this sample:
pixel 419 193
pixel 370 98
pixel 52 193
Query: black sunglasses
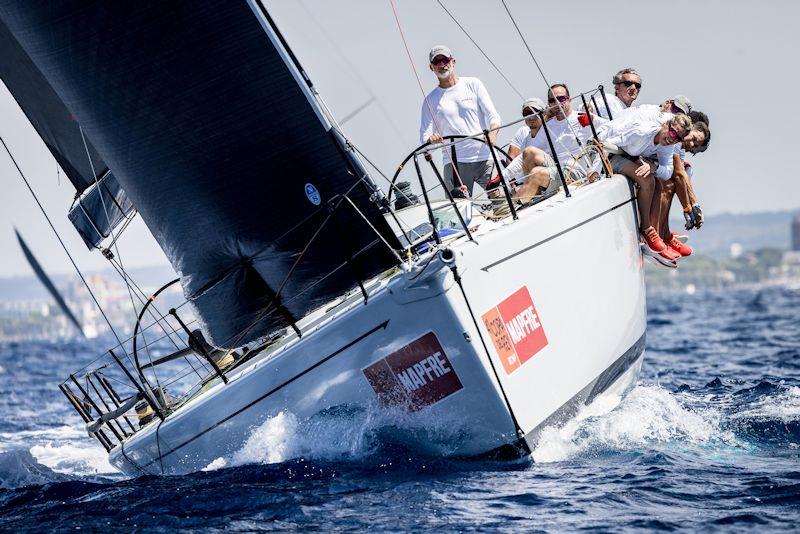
pixel 628 83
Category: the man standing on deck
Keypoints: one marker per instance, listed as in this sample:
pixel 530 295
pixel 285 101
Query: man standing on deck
pixel 459 106
pixel 627 84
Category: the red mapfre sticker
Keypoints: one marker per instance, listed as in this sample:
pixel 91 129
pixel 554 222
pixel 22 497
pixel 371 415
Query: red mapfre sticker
pixel 415 376
pixel 515 329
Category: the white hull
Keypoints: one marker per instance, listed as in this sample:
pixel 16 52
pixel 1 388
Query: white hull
pixel 577 259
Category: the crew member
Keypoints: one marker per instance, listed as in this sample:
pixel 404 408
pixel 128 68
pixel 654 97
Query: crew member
pixel 459 106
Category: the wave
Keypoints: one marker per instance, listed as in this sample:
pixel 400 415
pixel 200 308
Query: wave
pixel 648 415
pixel 346 433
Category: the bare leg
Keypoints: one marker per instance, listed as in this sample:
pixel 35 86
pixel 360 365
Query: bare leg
pixel 644 197
pixel 536 175
pixel 667 194
pixel 655 207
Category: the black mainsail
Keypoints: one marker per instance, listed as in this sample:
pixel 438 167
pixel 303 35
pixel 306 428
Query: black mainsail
pixel 199 110
pixel 61 134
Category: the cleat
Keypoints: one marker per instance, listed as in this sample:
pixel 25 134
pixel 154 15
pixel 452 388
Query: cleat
pixel 653 244
pixel 681 248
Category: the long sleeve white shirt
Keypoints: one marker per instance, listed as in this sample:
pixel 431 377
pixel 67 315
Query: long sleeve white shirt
pixel 636 136
pixel 463 109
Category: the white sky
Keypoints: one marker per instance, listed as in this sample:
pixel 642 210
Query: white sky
pixel 727 56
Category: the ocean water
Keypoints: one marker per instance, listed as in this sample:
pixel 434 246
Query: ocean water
pixel 708 440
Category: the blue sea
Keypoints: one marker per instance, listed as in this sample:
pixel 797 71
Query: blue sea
pixel 709 440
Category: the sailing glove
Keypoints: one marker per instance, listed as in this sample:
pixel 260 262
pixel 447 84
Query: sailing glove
pixel 698 215
pixel 688 215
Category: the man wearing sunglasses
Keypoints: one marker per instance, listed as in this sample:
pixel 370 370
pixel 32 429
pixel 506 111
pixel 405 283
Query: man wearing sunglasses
pixel 627 84
pixel 526 135
pixel 459 106
pixel 680 183
pixel 531 169
pixel 640 139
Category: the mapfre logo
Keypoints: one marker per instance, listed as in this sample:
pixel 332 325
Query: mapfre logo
pixel 414 376
pixel 515 329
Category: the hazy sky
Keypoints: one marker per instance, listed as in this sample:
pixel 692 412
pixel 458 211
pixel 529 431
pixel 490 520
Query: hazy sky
pixel 735 60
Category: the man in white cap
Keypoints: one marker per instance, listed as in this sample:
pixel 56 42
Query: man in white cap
pixel 531 168
pixel 526 135
pixel 459 106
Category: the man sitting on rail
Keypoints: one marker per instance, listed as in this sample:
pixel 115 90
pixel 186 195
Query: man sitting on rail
pixel 627 84
pixel 459 106
pixel 695 142
pixel 526 135
pixel 640 139
pixel 532 168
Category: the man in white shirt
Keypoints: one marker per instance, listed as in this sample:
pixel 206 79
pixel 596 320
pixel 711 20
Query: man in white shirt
pixel 459 106
pixel 638 138
pixel 532 169
pixel 627 84
pixel 526 135
pixel 694 142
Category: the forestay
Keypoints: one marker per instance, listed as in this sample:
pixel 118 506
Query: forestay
pixel 214 141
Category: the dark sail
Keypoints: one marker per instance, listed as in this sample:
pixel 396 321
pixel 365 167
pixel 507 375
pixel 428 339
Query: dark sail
pixel 62 136
pixel 208 131
pixel 47 283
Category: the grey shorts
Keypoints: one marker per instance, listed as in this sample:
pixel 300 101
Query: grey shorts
pixel 618 162
pixel 478 171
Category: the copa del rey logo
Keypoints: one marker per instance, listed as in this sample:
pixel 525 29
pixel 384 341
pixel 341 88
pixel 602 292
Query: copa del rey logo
pixel 515 329
pixel 417 375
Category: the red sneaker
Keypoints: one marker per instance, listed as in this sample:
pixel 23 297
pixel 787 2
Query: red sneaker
pixel 683 238
pixel 681 248
pixel 652 242
pixel 670 253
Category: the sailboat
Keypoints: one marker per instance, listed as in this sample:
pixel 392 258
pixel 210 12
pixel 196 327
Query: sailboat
pixel 312 291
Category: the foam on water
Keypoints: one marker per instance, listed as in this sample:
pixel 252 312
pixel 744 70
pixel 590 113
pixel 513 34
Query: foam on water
pixel 648 414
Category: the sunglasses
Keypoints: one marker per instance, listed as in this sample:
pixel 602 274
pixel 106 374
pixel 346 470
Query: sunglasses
pixel 673 134
pixel 675 109
pixel 441 60
pixel 628 83
pixel 561 99
pixel 527 112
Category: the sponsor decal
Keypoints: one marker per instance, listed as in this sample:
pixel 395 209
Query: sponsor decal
pixel 415 376
pixel 515 329
pixel 312 194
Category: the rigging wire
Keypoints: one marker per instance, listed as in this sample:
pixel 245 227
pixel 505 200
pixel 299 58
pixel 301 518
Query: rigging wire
pixel 61 241
pixel 539 68
pixel 114 244
pixel 121 268
pixel 481 50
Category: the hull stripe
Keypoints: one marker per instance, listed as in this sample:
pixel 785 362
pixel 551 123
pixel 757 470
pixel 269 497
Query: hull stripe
pixel 366 334
pixel 559 234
